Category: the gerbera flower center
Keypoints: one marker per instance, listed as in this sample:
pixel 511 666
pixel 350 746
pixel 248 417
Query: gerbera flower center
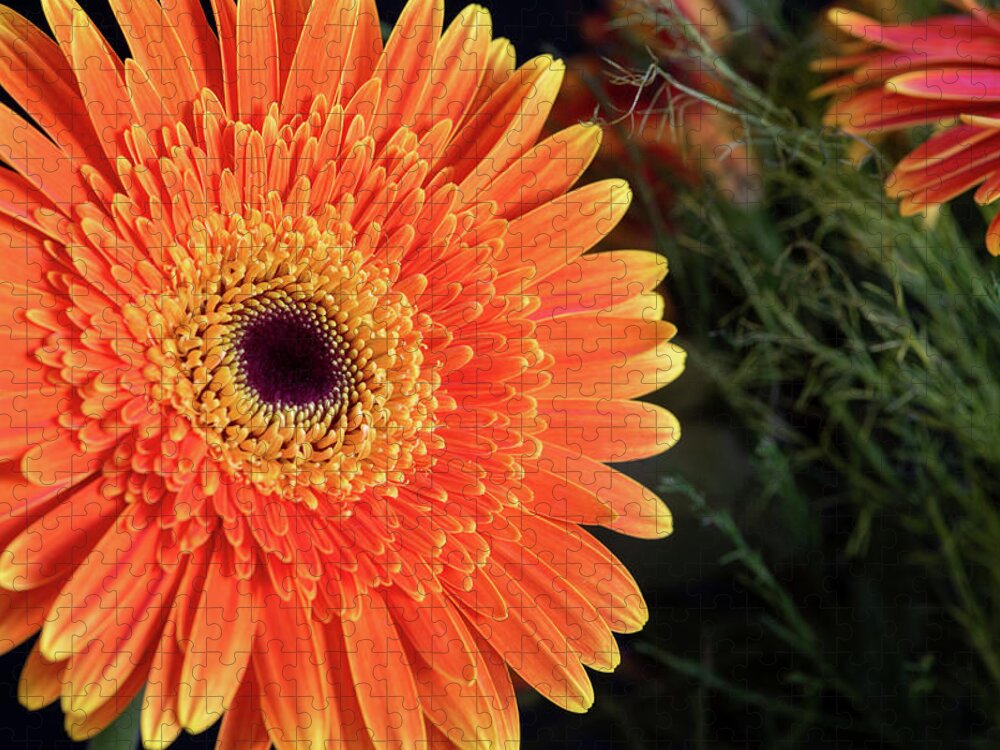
pixel 286 347
pixel 293 357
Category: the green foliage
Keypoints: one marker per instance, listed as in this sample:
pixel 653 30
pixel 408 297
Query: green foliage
pixel 857 354
pixel 123 733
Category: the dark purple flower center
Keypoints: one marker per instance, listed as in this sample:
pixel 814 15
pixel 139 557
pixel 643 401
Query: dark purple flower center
pixel 290 360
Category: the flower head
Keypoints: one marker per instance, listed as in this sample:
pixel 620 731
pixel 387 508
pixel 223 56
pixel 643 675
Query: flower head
pixel 310 382
pixel 943 71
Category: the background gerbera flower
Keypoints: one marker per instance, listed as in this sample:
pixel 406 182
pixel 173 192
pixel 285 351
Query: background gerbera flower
pixel 943 71
pixel 310 382
pixel 680 138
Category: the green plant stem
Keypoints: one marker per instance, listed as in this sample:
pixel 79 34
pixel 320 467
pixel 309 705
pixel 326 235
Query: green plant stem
pixel 123 734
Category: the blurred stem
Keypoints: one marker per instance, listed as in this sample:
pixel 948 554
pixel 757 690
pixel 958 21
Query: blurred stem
pixel 123 734
pixel 793 628
pixel 701 697
pixel 970 614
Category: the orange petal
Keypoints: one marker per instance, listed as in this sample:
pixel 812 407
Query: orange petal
pixel 982 14
pixel 156 45
pixel 965 84
pixel 923 178
pixel 386 688
pixel 56 544
pixel 31 62
pixel 902 36
pixel 544 240
pixel 21 340
pixel 322 55
pixel 98 675
pixel 405 65
pixel 350 726
pixel 945 145
pixel 219 648
pixel 159 724
pixel 187 17
pixel 989 191
pixel 30 259
pixel 59 458
pixel 599 357
pixel 508 123
pixel 935 191
pixel 543 173
pixel 22 613
pixel 39 161
pixel 595 572
pixel 85 725
pixel 556 601
pixel 366 50
pixel 29 424
pixel 243 728
pixel 637 510
pixel 993 236
pixel 258 81
pixel 41 681
pixel 467 710
pixel 291 16
pixel 146 98
pixel 458 66
pixel 493 677
pixel 20 202
pixel 295 696
pixel 123 560
pixel 609 430
pixel 877 110
pixel 476 591
pixel 225 21
pixel 564 498
pixel 534 648
pixel 98 72
pixel 501 62
pixel 620 282
pixel 434 634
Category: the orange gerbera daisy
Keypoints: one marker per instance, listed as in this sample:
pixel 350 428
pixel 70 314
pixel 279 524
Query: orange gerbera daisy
pixel 943 71
pixel 308 380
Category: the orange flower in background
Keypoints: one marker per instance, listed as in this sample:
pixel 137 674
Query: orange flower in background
pixel 309 382
pixel 673 132
pixel 943 71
